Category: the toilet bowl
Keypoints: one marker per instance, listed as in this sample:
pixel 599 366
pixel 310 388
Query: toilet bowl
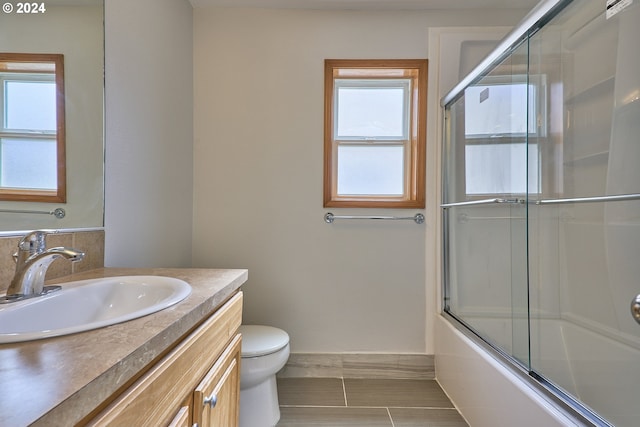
pixel 265 350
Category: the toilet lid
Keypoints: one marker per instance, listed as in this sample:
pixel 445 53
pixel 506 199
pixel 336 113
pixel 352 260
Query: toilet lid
pixel 262 340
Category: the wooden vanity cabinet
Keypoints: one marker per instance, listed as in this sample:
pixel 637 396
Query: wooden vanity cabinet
pixel 180 389
pixel 182 418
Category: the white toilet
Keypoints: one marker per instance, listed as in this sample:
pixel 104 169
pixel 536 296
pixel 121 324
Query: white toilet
pixel 265 351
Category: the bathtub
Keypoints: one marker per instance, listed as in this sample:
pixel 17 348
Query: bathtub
pixel 490 393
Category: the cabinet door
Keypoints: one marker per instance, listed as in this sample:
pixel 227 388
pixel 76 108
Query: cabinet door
pixel 216 399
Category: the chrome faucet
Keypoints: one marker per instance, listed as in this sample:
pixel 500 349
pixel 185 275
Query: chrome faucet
pixel 32 261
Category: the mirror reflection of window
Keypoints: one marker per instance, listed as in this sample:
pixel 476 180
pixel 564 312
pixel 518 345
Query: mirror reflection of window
pixel 499 110
pixel 32 163
pixel 500 113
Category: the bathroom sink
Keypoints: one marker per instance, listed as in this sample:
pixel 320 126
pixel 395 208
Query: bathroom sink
pixel 89 304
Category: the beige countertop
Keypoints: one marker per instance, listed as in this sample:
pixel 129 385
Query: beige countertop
pixel 58 381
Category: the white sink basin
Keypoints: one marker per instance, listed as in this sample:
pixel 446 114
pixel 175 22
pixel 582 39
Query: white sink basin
pixel 89 304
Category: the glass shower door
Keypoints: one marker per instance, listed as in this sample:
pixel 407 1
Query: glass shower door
pixel 541 205
pixel 584 227
pixel 485 207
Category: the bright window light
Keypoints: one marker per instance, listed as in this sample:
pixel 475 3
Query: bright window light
pixel 371 111
pixel 30 105
pixel 366 170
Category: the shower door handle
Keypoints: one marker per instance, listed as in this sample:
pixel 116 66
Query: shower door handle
pixel 635 308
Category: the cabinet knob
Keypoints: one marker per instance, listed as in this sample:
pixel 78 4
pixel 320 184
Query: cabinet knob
pixel 211 400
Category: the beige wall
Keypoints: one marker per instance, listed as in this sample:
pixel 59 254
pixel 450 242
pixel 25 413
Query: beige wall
pixel 149 133
pixel 346 287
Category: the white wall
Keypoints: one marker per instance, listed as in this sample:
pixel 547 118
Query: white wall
pixel 346 287
pixel 149 133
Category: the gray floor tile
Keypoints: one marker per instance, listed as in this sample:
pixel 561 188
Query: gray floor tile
pixel 310 392
pixel 395 393
pixel 308 402
pixel 422 417
pixel 334 417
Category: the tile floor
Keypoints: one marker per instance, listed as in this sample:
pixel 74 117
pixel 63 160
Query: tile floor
pixel 338 402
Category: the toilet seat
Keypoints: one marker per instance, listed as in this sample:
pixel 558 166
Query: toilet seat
pixel 258 340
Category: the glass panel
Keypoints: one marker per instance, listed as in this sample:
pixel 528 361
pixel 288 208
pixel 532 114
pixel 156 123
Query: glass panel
pixel 497 168
pixel 371 109
pixel 584 256
pixel 30 105
pixel 480 274
pixel 486 244
pixel 28 163
pixel 371 170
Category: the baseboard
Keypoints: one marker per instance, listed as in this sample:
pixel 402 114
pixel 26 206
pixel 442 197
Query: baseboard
pixel 359 365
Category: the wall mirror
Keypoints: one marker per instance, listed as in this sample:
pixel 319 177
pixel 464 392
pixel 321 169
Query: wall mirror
pixel 52 116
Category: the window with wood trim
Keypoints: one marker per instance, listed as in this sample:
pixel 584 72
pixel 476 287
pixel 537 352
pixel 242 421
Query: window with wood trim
pixel 374 133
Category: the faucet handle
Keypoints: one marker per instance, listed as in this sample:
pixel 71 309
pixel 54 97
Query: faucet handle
pixel 34 242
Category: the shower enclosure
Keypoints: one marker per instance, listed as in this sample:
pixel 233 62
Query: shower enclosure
pixel 541 204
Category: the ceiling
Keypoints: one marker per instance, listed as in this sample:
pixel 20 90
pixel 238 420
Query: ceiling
pixel 369 4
